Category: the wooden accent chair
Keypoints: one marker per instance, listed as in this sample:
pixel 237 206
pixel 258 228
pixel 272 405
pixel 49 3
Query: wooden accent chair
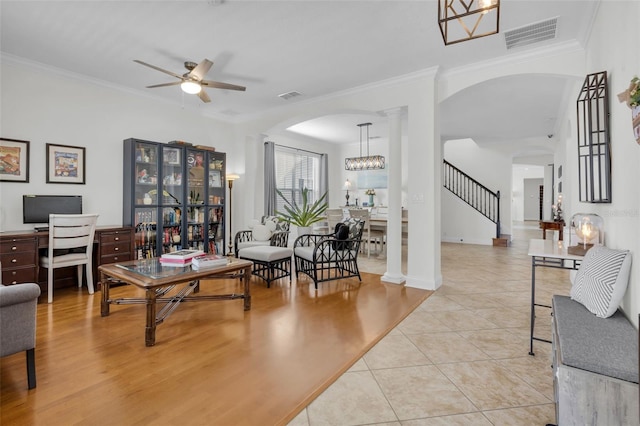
pixel 325 257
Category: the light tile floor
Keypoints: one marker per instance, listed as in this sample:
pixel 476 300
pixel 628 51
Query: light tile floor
pixel 461 358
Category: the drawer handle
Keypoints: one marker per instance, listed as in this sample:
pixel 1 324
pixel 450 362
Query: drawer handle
pixel 14 282
pixel 14 273
pixel 14 248
pixel 117 238
pixel 116 258
pixel 116 248
pixel 14 260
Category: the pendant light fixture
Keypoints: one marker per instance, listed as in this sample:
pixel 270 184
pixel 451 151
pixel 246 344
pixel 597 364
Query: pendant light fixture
pixel 370 162
pixel 462 20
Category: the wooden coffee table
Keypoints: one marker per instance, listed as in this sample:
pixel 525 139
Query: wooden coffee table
pixel 159 280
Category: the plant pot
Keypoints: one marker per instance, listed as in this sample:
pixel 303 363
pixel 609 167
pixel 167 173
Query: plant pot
pixel 304 230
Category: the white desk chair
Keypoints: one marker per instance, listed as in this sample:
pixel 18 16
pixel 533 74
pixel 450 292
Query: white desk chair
pixel 66 232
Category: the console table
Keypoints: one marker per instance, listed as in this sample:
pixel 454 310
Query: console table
pixel 549 254
pixel 553 226
pixel 20 253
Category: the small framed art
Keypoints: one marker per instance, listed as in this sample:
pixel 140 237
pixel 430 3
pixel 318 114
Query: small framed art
pixel 172 156
pixel 65 164
pixel 14 160
pixel 215 180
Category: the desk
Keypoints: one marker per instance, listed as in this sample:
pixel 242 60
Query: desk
pixel 553 226
pixel 158 280
pixel 550 254
pixel 20 253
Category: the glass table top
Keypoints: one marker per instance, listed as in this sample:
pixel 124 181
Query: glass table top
pixel 153 268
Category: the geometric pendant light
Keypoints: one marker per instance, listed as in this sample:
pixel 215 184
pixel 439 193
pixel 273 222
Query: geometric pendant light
pixel 462 20
pixel 370 162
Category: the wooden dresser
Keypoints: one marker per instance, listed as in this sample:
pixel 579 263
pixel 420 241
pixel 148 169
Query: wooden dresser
pixel 20 251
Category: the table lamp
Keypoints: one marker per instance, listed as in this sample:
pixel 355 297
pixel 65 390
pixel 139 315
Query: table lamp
pixel 589 230
pixel 347 186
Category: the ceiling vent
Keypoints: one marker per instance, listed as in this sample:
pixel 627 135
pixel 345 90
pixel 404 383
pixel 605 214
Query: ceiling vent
pixel 533 33
pixel 289 95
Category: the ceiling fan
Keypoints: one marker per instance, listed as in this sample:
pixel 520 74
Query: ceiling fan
pixel 193 81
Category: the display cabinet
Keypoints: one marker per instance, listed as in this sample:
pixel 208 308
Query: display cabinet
pixel 174 197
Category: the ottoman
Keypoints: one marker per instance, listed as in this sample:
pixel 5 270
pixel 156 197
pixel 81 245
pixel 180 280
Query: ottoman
pixel 269 262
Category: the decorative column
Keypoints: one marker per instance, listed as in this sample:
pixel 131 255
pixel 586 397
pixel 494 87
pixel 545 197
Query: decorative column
pixel 394 219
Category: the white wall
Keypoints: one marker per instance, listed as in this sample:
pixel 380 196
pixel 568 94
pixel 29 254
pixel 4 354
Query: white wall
pixel 46 107
pixel 461 223
pixel 532 199
pixel 520 173
pixel 613 47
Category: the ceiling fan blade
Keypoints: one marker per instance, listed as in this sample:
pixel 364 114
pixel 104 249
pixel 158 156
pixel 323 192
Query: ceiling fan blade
pixel 158 69
pixel 201 69
pixel 175 83
pixel 219 85
pixel 204 97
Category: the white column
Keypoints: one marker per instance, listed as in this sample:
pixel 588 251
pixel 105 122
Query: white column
pixel 394 219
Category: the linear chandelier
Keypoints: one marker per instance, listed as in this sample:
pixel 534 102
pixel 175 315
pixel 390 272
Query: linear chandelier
pixel 476 18
pixel 370 162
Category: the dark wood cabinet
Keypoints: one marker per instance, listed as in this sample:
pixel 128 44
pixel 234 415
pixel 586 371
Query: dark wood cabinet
pixel 20 252
pixel 19 258
pixel 114 245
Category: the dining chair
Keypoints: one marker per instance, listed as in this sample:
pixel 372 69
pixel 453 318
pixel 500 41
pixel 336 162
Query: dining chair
pixel 334 216
pixel 70 244
pixel 368 234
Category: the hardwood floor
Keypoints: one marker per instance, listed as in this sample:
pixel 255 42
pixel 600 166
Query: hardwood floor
pixel 213 363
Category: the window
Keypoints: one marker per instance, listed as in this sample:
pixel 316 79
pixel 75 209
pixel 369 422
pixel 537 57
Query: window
pixel 295 170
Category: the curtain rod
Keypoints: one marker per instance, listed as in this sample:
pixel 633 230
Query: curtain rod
pixel 295 149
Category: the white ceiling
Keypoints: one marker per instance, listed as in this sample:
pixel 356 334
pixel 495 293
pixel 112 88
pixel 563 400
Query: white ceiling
pixel 313 47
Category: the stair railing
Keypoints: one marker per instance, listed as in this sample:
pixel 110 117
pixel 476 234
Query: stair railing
pixel 473 193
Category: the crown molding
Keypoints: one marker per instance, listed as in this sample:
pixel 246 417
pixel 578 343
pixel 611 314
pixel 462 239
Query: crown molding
pixel 10 59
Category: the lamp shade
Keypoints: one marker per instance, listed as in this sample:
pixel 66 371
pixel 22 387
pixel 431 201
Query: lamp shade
pixel 191 87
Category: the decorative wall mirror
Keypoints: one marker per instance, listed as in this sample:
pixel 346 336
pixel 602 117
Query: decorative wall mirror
pixel 594 147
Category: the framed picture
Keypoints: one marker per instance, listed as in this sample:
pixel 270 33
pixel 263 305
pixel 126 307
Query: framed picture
pixel 65 164
pixel 14 160
pixel 215 180
pixel 172 156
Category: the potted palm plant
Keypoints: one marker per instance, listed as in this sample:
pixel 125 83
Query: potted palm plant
pixel 304 215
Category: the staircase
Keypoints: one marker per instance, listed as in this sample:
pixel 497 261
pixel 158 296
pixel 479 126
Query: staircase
pixel 476 195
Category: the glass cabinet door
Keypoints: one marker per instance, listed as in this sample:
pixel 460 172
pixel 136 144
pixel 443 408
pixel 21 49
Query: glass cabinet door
pixel 196 193
pixel 172 198
pixel 215 202
pixel 146 199
pixel 146 174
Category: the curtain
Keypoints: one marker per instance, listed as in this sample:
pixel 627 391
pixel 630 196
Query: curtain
pixel 324 174
pixel 269 179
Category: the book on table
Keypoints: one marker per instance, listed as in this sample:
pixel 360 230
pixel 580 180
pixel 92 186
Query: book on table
pixel 210 260
pixel 180 256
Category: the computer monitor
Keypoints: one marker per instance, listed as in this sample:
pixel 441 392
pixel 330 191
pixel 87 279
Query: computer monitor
pixel 37 208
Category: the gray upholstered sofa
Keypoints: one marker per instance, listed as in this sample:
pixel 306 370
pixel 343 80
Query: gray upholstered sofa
pixel 18 323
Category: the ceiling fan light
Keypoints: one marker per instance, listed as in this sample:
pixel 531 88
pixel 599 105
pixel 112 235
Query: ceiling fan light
pixel 191 87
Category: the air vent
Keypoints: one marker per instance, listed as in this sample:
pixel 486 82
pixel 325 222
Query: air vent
pixel 534 33
pixel 289 95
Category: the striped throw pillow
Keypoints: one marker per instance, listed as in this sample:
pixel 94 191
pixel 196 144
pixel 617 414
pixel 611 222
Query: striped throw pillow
pixel 602 280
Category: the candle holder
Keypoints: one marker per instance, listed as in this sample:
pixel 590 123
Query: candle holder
pixel 589 230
